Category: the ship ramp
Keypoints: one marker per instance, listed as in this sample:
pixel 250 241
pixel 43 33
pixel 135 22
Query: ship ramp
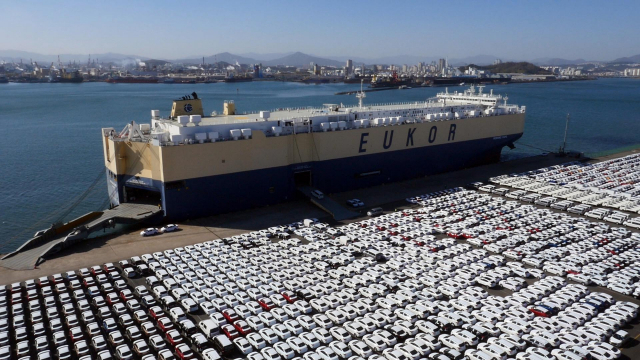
pixel 52 240
pixel 329 205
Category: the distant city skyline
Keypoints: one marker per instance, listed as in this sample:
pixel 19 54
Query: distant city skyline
pixel 590 30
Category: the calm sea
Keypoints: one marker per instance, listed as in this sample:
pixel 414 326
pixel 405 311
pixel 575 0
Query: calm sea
pixel 51 149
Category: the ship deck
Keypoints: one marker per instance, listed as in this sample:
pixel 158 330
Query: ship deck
pixel 291 113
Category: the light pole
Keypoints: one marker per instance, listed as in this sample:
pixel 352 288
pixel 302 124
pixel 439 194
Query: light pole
pixel 564 142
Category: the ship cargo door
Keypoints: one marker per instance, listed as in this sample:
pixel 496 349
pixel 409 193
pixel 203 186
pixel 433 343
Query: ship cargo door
pixel 302 178
pixel 142 196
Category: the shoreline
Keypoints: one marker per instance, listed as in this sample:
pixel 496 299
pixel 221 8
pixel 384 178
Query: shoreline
pixel 297 80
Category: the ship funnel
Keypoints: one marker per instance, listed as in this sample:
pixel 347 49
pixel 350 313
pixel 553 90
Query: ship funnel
pixel 229 107
pixel 187 105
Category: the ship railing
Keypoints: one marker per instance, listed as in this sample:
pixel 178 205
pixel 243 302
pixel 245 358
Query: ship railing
pixel 304 129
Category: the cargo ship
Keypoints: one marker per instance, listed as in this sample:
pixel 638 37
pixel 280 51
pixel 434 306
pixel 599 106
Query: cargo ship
pixel 354 79
pixel 132 80
pixel 242 78
pixel 391 82
pixel 457 80
pixel 67 77
pixel 194 165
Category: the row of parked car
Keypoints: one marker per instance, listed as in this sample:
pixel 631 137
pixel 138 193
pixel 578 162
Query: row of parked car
pixel 409 270
pixel 607 190
pixel 560 244
pixel 400 286
pixel 91 313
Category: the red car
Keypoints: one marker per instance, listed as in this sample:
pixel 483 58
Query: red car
pixel 230 315
pixel 572 272
pixel 165 324
pixel 381 228
pixel 88 282
pixel 265 303
pixel 76 334
pixel 174 338
pixel 126 295
pixel 156 312
pixel 242 327
pixel 540 311
pixel 108 268
pixel 230 331
pixel 96 270
pixel 393 232
pixel 290 296
pixel 184 352
pixel 112 298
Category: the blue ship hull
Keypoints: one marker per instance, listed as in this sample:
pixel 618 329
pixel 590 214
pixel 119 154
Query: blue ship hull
pixel 205 196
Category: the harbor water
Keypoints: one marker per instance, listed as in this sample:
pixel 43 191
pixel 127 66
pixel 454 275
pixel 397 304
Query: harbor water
pixel 51 149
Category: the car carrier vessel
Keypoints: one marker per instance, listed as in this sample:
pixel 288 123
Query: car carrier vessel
pixel 194 165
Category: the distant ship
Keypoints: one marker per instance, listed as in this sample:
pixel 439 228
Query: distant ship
pixel 132 80
pixel 392 82
pixel 67 77
pixel 3 80
pixel 354 79
pixel 241 78
pixel 321 79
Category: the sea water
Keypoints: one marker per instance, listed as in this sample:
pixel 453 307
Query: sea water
pixel 51 146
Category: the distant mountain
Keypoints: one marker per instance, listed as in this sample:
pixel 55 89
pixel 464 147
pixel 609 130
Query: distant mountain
pixel 225 56
pixel 155 62
pixel 16 55
pixel 477 59
pixel 302 60
pixel 386 60
pixel 265 57
pixel 627 60
pixel 557 61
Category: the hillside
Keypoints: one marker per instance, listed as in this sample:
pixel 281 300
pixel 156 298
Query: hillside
pixel 225 57
pixel 511 67
pixel 627 60
pixel 26 56
pixel 302 59
pixel 294 59
pixel 557 61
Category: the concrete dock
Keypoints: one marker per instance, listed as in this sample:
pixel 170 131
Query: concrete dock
pixel 33 252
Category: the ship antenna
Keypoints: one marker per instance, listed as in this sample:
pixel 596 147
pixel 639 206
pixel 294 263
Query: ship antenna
pixel 361 95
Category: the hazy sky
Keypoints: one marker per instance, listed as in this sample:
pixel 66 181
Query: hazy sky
pixel 593 30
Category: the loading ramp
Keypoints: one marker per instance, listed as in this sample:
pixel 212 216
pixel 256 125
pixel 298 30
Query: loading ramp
pixel 34 251
pixel 329 205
